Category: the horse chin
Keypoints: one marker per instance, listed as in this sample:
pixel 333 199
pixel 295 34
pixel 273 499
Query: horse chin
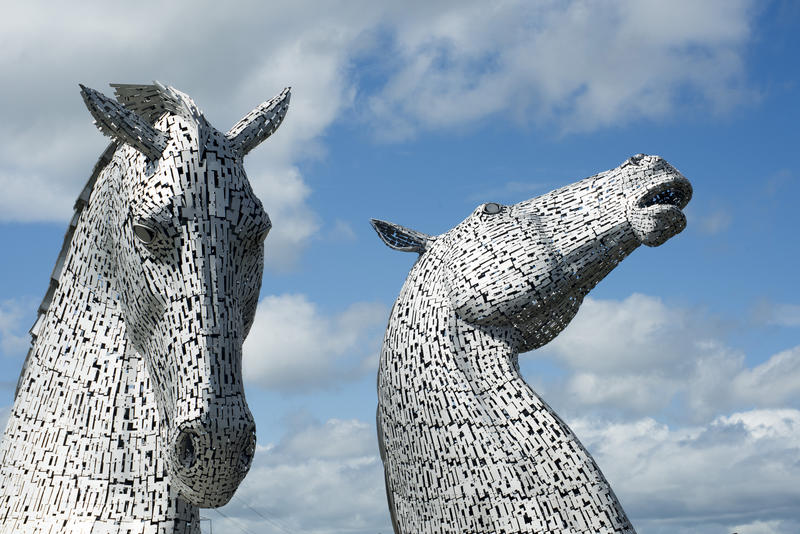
pixel 205 491
pixel 206 501
pixel 654 225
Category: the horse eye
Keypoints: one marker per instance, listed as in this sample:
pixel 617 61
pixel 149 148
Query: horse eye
pixel 492 208
pixel 144 233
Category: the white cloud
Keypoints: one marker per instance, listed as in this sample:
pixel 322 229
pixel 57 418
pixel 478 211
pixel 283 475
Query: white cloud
pixel 773 382
pixel 575 65
pixel 715 222
pixel 228 59
pixel 284 195
pixel 320 478
pixel 787 315
pixel 765 527
pixel 777 314
pixel 639 356
pixel 5 411
pixel 342 231
pixel 293 346
pixel 778 181
pixel 34 198
pixel 14 338
pixel 630 335
pixel 720 474
pixel 737 471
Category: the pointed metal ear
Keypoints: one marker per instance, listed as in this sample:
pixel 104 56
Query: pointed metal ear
pixel 260 123
pixel 123 125
pixel 401 238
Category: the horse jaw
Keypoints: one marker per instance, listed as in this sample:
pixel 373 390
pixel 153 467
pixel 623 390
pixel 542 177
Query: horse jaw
pixel 656 213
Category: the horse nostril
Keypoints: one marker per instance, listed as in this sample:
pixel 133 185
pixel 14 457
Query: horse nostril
pixel 186 452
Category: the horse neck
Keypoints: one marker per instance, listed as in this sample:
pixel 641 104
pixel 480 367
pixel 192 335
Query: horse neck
pixel 81 447
pixel 428 348
pixel 461 430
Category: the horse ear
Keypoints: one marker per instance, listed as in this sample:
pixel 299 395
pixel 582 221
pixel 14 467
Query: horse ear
pixel 122 124
pixel 401 238
pixel 260 123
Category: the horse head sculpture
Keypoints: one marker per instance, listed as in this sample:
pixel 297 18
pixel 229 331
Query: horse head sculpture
pixel 187 256
pixel 153 296
pixel 467 445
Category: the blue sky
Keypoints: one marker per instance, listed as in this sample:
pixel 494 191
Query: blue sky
pixel 681 373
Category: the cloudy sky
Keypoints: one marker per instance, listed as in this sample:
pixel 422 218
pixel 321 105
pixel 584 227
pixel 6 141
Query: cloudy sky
pixel 681 373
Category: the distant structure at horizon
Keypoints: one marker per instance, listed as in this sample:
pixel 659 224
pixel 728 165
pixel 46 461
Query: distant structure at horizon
pixel 467 445
pixel 129 412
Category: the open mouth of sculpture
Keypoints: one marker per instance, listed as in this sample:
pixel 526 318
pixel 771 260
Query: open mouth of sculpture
pixel 658 214
pixel 673 193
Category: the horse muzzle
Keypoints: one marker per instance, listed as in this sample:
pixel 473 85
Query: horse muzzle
pixel 657 214
pixel 209 457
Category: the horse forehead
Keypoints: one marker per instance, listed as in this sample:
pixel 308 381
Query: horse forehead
pixel 227 201
pixel 195 141
pixel 200 201
pixel 193 182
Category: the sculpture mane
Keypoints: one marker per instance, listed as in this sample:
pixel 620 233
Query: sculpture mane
pixel 467 445
pixel 129 412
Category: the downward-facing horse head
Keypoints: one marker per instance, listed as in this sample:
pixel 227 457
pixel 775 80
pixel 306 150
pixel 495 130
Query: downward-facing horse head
pixel 467 445
pixel 130 411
